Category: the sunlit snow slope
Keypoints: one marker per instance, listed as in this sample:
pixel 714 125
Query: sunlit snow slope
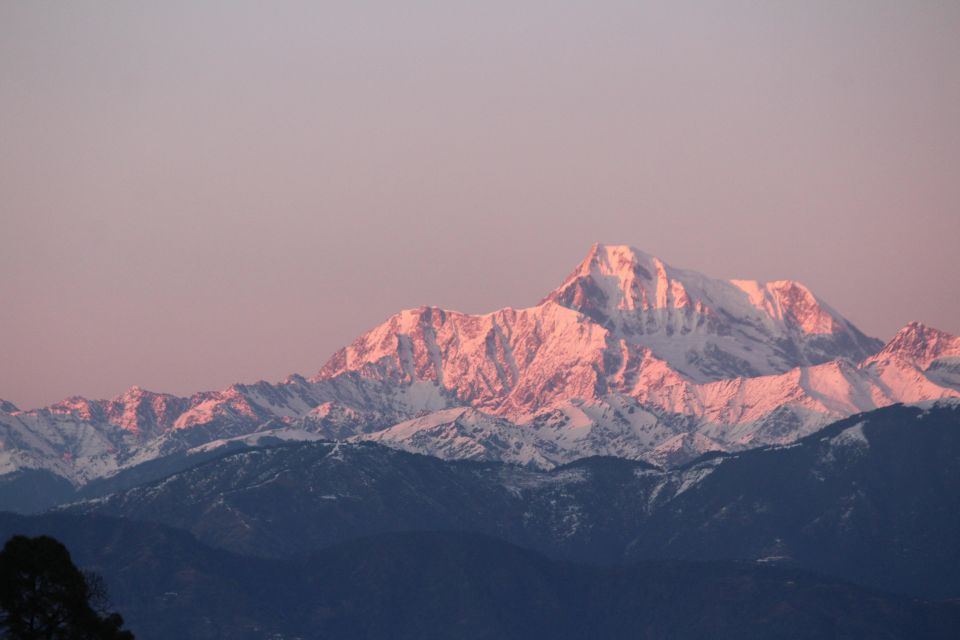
pixel 628 357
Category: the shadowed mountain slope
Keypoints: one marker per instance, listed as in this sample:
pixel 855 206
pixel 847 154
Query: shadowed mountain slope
pixel 442 585
pixel 875 499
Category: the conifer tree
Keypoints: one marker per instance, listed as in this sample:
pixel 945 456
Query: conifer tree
pixel 44 596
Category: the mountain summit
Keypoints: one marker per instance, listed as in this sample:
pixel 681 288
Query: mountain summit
pixel 920 345
pixel 620 311
pixel 628 357
pixel 708 329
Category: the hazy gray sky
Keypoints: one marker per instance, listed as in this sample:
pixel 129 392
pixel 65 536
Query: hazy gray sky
pixel 197 193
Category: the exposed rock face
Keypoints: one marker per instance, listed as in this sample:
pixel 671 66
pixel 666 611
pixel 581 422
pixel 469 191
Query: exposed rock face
pixel 619 310
pixel 629 357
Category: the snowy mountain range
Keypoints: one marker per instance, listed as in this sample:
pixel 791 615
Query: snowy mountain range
pixel 628 357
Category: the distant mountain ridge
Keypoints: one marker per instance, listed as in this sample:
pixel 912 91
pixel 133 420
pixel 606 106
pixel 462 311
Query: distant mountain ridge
pixel 874 499
pixel 629 357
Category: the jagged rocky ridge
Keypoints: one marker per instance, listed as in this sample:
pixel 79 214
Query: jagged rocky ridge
pixel 629 357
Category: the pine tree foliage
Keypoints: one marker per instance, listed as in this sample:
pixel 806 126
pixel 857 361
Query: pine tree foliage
pixel 44 596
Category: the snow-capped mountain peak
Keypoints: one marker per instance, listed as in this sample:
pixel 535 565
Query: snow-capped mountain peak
pixel 144 412
pixel 618 282
pixel 707 328
pixel 618 278
pixel 792 304
pixel 920 345
pixel 629 356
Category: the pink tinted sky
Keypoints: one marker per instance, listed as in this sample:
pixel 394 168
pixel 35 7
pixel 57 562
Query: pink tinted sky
pixel 193 194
